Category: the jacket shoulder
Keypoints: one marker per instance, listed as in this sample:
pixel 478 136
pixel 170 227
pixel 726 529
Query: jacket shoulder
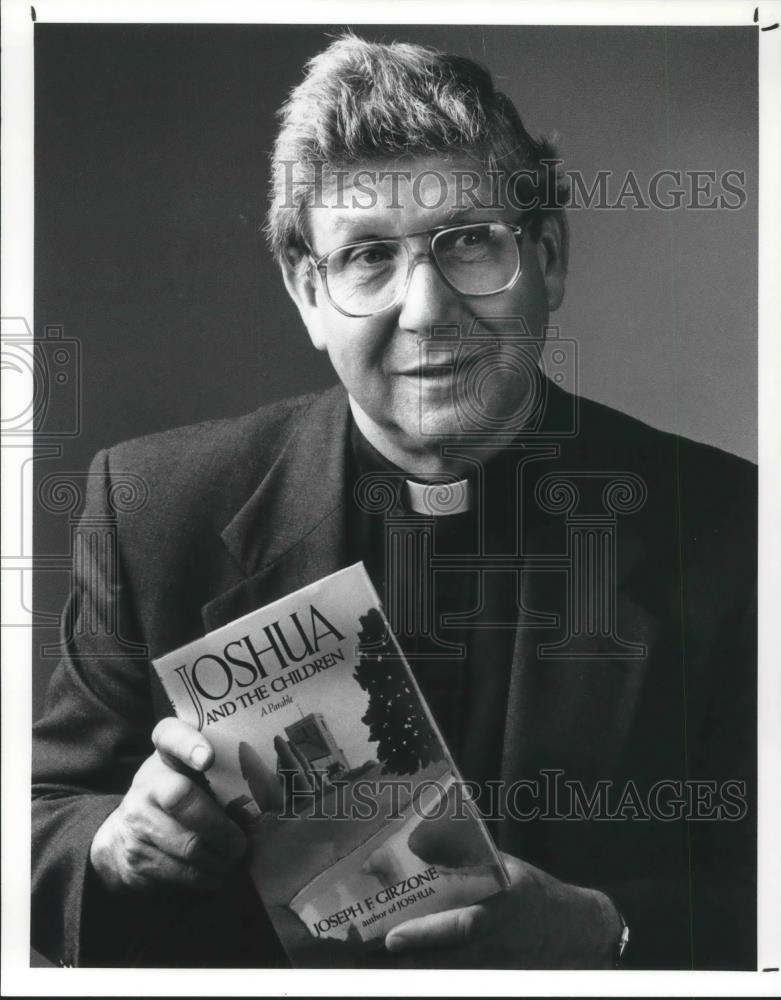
pixel 210 435
pixel 217 443
pixel 712 490
pixel 609 430
pixel 215 462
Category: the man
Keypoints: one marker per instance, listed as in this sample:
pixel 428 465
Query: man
pixel 592 619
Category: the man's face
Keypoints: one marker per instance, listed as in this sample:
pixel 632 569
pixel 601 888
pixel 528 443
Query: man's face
pixel 408 409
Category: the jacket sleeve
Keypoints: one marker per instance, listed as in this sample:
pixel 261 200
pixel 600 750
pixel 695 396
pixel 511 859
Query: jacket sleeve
pixel 702 914
pixel 94 732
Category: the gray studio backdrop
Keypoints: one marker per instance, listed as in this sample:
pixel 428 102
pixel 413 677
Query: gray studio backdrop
pixel 151 175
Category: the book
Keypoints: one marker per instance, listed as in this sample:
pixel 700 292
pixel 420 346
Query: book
pixel 329 758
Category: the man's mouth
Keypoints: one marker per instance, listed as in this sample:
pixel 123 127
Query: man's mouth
pixel 427 372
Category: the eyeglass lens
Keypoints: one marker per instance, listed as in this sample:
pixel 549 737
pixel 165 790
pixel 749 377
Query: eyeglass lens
pixel 368 277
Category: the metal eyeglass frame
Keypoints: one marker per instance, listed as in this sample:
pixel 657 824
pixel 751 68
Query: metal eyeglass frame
pixel 321 263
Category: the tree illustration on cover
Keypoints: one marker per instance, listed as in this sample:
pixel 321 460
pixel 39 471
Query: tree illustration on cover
pixel 263 783
pixel 397 723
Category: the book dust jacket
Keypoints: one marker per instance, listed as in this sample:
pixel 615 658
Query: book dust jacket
pixel 328 757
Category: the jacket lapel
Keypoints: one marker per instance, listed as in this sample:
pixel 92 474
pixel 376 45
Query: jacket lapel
pixel 291 530
pixel 571 713
pixel 577 713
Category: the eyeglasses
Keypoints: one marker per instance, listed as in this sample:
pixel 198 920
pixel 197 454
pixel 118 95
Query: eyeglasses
pixel 370 276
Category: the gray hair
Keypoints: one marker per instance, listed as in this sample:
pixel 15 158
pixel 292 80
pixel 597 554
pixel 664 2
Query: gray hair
pixel 362 101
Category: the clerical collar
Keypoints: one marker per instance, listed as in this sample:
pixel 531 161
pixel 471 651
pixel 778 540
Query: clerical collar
pixel 436 495
pixel 439 498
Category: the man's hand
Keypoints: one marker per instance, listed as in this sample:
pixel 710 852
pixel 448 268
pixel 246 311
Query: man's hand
pixel 537 923
pixel 167 828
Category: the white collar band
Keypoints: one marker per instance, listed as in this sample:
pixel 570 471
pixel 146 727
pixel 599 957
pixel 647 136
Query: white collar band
pixel 439 499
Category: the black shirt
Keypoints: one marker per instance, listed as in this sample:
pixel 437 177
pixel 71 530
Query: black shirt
pixel 462 666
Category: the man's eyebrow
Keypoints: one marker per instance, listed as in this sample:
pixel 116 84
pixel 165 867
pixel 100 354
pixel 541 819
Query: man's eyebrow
pixel 340 221
pixel 455 215
pixel 460 214
pixel 346 223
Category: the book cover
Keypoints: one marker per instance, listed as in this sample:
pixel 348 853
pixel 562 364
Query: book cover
pixel 328 757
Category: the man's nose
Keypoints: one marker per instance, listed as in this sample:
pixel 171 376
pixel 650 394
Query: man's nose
pixel 429 301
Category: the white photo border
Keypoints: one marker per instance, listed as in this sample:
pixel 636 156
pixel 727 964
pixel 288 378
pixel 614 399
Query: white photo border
pixel 17 301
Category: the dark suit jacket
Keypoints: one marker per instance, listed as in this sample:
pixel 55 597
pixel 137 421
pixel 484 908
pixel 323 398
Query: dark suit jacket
pixel 241 512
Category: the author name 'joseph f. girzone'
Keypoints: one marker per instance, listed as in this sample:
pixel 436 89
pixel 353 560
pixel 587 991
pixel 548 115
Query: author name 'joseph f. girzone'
pixel 388 894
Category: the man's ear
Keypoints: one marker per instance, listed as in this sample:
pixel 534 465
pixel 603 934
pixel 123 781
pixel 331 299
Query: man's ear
pixel 301 282
pixel 552 252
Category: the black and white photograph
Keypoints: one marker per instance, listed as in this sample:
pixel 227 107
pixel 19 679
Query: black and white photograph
pixel 469 315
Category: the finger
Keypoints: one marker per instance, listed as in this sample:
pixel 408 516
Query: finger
pixel 187 847
pixel 449 929
pixel 147 865
pixel 197 812
pixel 179 744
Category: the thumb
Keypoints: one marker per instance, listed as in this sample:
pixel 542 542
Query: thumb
pixel 449 929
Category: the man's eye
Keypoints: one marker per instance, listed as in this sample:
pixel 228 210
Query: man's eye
pixel 466 245
pixel 473 238
pixel 369 256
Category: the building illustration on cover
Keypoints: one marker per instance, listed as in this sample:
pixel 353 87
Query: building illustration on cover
pixel 310 754
pixel 312 737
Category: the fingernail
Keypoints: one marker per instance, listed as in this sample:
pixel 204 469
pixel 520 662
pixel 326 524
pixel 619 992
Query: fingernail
pixel 199 756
